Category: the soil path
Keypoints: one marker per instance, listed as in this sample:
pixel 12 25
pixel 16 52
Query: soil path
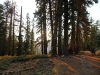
pixel 70 65
pixel 78 65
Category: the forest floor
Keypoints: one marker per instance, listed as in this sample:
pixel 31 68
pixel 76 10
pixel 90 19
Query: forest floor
pixel 59 65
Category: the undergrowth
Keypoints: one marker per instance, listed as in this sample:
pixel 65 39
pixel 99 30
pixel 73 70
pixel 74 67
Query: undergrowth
pixel 6 61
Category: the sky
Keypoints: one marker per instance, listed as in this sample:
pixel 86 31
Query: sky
pixel 29 7
pixel 95 11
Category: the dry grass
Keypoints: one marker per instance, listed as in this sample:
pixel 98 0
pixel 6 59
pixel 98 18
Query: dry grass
pixel 97 53
pixel 6 57
pixel 85 53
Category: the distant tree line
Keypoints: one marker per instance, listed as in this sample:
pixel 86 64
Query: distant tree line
pixel 15 37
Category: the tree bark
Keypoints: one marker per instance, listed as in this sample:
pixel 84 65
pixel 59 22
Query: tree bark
pixel 19 51
pixel 65 51
pixel 51 20
pixel 44 28
pixel 13 52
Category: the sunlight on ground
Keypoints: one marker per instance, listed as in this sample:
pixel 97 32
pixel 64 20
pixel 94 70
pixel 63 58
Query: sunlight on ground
pixel 93 58
pixel 58 62
pixel 55 70
pixel 98 53
pixel 89 53
pixel 89 58
pixel 6 57
pixel 85 52
pixel 94 65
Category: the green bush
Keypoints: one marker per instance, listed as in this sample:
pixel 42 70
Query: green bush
pixel 4 64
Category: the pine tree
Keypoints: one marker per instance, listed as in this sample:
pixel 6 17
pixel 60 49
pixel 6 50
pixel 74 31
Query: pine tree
pixel 19 51
pixel 60 11
pixel 51 21
pixel 2 31
pixel 44 27
pixel 66 26
pixel 27 43
pixel 39 15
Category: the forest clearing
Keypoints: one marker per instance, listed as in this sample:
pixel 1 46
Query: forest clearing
pixel 81 64
pixel 60 38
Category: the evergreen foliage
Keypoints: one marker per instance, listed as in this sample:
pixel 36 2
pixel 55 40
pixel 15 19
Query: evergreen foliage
pixel 67 20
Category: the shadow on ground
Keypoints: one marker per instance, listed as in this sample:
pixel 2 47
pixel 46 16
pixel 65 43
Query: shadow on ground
pixel 70 65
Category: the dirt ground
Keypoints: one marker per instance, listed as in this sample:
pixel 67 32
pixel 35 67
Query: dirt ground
pixel 64 65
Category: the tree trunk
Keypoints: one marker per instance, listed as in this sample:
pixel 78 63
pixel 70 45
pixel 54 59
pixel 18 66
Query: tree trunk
pixel 44 28
pixel 5 41
pixel 19 51
pixel 77 36
pixel 42 39
pixel 13 52
pixel 78 28
pixel 59 38
pixel 10 34
pixel 51 19
pixel 60 3
pixel 54 51
pixel 73 29
pixel 65 51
